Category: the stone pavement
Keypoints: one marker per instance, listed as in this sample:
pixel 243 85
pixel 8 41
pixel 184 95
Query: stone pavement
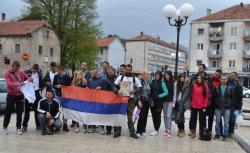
pixel 34 142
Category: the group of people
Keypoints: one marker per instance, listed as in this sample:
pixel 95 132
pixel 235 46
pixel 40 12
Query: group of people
pixel 204 95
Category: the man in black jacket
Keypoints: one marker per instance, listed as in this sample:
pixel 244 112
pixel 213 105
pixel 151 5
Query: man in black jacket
pixel 61 79
pixel 237 97
pixel 36 74
pixel 49 113
pixel 222 96
pixel 109 86
pixel 213 82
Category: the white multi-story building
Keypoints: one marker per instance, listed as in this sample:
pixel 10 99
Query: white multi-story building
pixel 147 52
pixel 221 40
pixel 112 50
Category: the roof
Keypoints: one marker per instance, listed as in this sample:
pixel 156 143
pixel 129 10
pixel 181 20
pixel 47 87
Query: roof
pixel 241 11
pixel 104 42
pixel 20 28
pixel 143 37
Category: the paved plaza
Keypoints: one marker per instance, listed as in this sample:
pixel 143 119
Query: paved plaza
pixel 34 142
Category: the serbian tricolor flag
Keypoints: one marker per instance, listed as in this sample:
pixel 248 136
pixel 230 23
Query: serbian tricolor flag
pixel 93 107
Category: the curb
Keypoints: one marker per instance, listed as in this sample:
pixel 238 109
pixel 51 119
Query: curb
pixel 242 143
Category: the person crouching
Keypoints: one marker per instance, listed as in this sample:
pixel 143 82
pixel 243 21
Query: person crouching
pixel 48 113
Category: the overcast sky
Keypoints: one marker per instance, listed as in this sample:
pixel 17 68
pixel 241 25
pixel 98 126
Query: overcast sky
pixel 128 17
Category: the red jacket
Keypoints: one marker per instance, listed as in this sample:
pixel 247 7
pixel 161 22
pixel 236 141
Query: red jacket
pixel 198 101
pixel 13 87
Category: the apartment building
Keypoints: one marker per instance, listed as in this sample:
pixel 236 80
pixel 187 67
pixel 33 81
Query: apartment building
pixel 221 40
pixel 147 52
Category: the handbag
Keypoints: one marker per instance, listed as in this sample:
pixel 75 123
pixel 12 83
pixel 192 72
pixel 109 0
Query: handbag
pixel 150 100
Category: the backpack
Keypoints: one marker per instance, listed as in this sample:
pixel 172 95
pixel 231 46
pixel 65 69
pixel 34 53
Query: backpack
pixel 133 80
pixel 205 135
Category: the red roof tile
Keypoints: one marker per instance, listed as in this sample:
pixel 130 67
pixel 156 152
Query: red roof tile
pixel 232 13
pixel 19 28
pixel 144 37
pixel 104 42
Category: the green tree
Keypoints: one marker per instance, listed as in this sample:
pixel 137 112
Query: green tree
pixel 74 22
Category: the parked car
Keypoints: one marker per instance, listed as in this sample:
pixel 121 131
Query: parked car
pixel 246 92
pixel 3 94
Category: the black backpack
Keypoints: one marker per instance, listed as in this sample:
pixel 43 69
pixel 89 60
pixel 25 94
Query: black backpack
pixel 205 135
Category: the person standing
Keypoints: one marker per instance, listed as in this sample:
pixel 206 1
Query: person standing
pixel 181 102
pixel 159 91
pixel 49 113
pixel 222 96
pixel 103 71
pixel 96 82
pixel 14 80
pixel 79 81
pixel 61 79
pixel 36 75
pixel 168 103
pixel 200 93
pixel 122 69
pixel 109 86
pixel 134 85
pixel 145 93
pixel 49 76
pixel 85 71
pixel 213 83
pixel 237 97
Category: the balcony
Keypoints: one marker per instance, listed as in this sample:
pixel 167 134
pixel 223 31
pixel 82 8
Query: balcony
pixel 215 54
pixel 245 69
pixel 246 54
pixel 215 36
pixel 246 37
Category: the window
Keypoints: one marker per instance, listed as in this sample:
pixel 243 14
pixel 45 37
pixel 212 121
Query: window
pixel 233 31
pixel 2 86
pixel 248 64
pixel 101 52
pixel 199 62
pixel 46 33
pixel 248 46
pixel 40 50
pixel 150 57
pixel 231 63
pixel 17 48
pixel 200 32
pixel 232 46
pixel 215 64
pixel 200 46
pixel 1 48
pixel 51 51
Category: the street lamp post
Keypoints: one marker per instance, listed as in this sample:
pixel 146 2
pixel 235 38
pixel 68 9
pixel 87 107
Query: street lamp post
pixel 181 15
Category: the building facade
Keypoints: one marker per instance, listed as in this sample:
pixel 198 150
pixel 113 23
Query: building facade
pixel 35 38
pixel 147 52
pixel 222 41
pixel 112 49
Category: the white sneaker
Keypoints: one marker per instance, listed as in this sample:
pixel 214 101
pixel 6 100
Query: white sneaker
pixel 19 132
pixel 154 133
pixel 144 134
pixel 102 131
pixel 77 130
pixel 138 135
pixel 5 131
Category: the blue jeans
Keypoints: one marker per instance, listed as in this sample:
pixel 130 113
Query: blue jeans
pixel 226 117
pixel 232 121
